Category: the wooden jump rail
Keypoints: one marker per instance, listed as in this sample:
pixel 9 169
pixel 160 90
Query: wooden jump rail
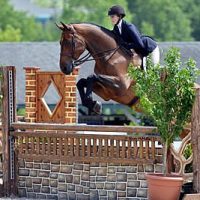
pixel 68 142
pixel 97 128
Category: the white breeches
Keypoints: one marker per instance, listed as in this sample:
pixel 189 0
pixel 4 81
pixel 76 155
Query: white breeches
pixel 155 58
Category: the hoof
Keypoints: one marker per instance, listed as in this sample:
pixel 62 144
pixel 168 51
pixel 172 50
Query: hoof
pixel 97 108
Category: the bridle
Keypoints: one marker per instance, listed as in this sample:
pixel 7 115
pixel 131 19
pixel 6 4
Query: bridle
pixel 88 56
pixel 73 46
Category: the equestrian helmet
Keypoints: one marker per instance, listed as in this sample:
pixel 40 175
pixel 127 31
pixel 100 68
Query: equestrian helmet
pixel 117 10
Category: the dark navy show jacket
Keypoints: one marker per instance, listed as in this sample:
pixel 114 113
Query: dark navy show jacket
pixel 132 39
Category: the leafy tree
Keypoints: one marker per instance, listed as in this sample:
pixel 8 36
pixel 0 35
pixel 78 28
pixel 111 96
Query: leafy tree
pixel 10 34
pixel 51 3
pixel 167 95
pixel 147 28
pixel 17 26
pixel 195 19
pixel 164 19
pixel 191 8
pixel 90 11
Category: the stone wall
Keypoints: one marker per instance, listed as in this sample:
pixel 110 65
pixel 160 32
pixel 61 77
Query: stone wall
pixel 68 180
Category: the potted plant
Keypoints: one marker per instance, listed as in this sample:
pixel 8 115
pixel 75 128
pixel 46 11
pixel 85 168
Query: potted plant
pixel 167 95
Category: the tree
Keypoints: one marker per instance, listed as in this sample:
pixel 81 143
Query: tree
pixel 195 19
pixel 167 95
pixel 50 3
pixel 191 8
pixel 90 11
pixel 10 34
pixel 164 19
pixel 18 26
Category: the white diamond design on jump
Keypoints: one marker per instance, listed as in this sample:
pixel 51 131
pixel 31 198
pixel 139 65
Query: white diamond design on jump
pixel 51 98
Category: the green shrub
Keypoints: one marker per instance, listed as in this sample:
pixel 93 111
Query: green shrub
pixel 167 95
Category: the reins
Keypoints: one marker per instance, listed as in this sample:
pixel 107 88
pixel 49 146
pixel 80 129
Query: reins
pixel 96 56
pixel 89 57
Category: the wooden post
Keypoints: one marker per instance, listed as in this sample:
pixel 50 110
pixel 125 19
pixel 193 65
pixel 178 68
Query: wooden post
pixel 8 116
pixel 195 130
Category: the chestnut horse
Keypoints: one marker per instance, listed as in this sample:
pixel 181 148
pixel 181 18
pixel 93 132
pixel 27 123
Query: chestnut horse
pixel 110 79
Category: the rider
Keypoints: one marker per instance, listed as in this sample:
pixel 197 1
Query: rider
pixel 131 37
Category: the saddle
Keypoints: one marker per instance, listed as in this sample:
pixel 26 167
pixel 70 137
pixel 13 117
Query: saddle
pixel 136 59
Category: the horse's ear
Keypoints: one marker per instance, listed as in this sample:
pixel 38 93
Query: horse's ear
pixel 72 30
pixel 60 27
pixel 66 27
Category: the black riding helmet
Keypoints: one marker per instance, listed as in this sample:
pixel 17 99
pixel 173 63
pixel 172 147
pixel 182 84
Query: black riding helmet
pixel 117 10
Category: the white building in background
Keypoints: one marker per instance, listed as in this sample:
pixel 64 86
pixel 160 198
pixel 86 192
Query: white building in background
pixel 41 14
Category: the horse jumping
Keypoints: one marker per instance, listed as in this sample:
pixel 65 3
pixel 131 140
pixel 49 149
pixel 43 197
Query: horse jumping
pixel 110 79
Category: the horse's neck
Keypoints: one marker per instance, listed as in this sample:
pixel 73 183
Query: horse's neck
pixel 96 39
pixel 99 41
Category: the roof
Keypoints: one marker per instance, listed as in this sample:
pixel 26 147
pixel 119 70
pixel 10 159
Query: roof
pixel 46 56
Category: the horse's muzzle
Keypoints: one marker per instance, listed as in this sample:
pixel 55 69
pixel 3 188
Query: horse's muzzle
pixel 67 68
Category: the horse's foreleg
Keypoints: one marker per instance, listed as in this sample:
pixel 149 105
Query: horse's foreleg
pixel 90 83
pixel 81 85
pixel 86 96
pixel 95 106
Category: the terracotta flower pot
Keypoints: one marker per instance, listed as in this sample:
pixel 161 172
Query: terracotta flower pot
pixel 164 187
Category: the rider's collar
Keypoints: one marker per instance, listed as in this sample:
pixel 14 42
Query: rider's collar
pixel 119 25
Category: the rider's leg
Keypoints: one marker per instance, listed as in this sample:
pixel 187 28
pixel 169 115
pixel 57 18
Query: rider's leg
pixel 155 56
pixel 144 63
